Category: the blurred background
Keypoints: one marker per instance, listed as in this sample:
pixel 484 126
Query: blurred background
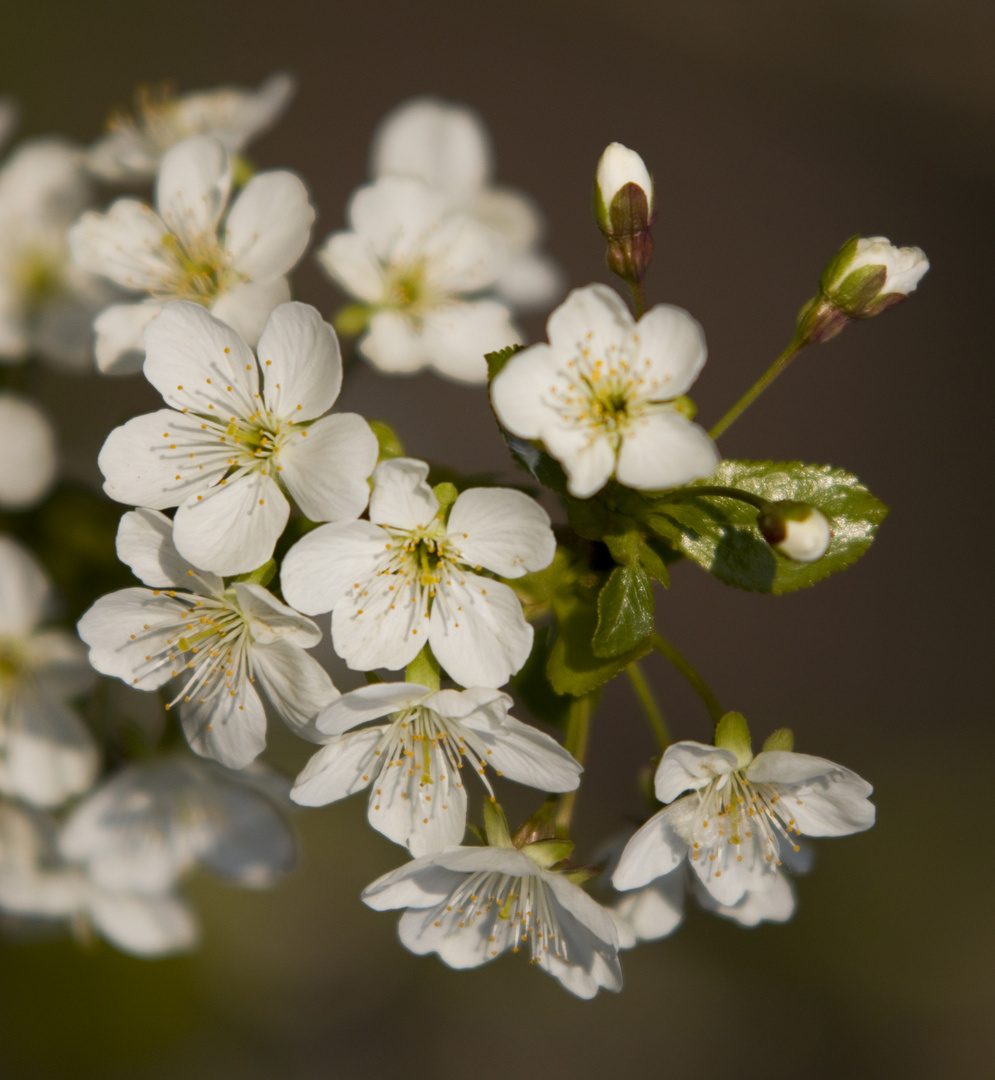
pixel 775 131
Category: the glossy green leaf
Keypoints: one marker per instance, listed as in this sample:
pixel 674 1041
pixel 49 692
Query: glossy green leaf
pixel 625 611
pixel 573 667
pixel 722 536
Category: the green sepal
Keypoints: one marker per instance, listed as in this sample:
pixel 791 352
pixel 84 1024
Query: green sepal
pixel 424 670
pixel 732 733
pixel 372 677
pixel 533 688
pixel 262 575
pixel 838 264
pixel 352 320
pixel 541 826
pixel 496 825
pixel 387 439
pixel 625 611
pixel 446 493
pixel 582 874
pixel 497 360
pixel 857 291
pixel 722 535
pixel 478 834
pixel 242 170
pixel 573 668
pixel 781 739
pixel 547 853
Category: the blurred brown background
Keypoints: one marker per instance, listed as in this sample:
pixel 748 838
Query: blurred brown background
pixel 775 130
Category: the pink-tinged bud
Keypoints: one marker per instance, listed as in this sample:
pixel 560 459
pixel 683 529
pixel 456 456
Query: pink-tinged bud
pixel 797 530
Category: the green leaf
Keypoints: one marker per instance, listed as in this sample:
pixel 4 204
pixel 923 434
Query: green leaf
pixel 497 360
pixel 721 534
pixel 625 611
pixel 573 667
pixel 631 548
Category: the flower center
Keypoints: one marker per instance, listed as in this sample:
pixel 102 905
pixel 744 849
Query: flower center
pixel 39 276
pixel 13 662
pixel 421 740
pixel 201 270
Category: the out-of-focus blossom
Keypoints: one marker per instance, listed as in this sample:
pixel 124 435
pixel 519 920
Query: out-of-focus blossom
pixel 602 394
pixel 47 302
pixel 469 905
pixel 46 751
pixel 181 250
pixel 29 458
pixel 424 276
pixel 239 434
pixel 152 823
pixel 413 763
pixel 447 146
pixel 403 579
pixel 36 884
pixel 135 145
pixel 219 643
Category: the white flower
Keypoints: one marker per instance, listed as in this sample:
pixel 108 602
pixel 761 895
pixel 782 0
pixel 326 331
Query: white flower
pixel 218 642
pixel 401 579
pixel 448 147
pixel 29 459
pixel 905 267
pixel 177 252
pixel 412 764
pixel 739 812
pixel 620 166
pixel 47 302
pixel 422 271
pixel 152 823
pixel 133 147
pixel 228 448
pixel 35 883
pixel 469 905
pixel 46 751
pixel 601 395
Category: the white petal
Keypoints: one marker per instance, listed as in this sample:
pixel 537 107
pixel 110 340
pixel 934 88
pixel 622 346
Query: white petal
pixel 519 391
pixel 457 336
pixel 671 351
pixel 369 703
pixel 819 798
pixel 233 115
pixel 587 457
pixel 147 462
pixel 594 318
pixel 125 245
pixel 445 145
pixel 119 347
pixel 776 904
pixel 28 451
pixel 688 766
pixel 530 282
pixel 381 624
pixel 270 621
pixel 511 214
pixel 523 753
pixel 350 260
pixel 269 225
pixel 246 305
pixel 142 925
pixel 478 632
pixel 59 663
pixel 46 751
pixel 232 528
pixel 654 850
pixel 192 188
pixel 199 363
pixel 420 883
pixel 301 363
pixel 229 726
pixel 663 450
pixel 395 214
pixel 326 469
pixel 401 498
pixel 295 684
pixel 393 344
pixel 342 767
pixel 503 530
pixel 145 544
pixel 655 910
pixel 327 562
pixel 588 913
pixel 459 944
pixel 25 592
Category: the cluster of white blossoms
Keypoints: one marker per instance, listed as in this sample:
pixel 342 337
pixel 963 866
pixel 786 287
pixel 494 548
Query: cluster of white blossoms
pixel 253 507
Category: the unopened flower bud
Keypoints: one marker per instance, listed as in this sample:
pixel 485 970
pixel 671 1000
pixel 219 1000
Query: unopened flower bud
pixel 732 733
pixel 797 530
pixel 623 207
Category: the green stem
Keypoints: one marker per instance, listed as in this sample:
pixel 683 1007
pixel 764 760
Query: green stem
pixel 758 387
pixel 683 494
pixel 578 732
pixel 653 711
pixel 638 299
pixel 698 684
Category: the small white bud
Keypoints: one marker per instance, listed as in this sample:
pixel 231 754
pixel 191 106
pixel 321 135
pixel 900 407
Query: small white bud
pixel 620 166
pixel 905 266
pixel 797 530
